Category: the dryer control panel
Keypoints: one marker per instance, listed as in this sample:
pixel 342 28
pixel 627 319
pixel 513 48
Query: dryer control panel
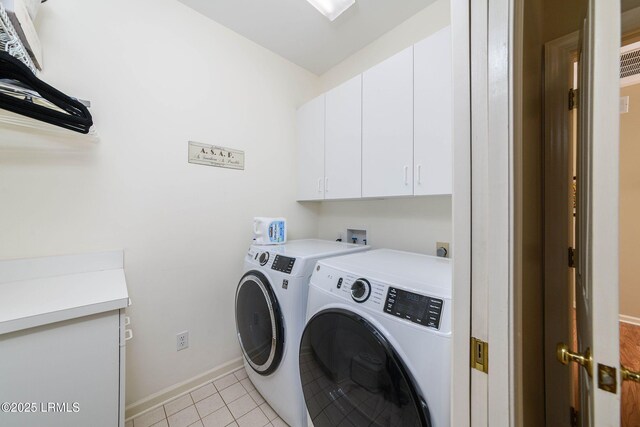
pixel 417 308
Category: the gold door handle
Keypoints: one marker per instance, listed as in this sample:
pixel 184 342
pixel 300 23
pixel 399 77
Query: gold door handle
pixel 628 375
pixel 564 356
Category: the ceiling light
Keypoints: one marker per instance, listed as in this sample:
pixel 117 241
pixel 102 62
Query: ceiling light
pixel 332 8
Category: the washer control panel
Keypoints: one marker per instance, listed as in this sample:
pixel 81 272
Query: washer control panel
pixel 414 307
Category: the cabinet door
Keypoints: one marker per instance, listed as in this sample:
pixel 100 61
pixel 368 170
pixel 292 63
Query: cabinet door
pixel 433 114
pixel 343 141
pixel 310 135
pixel 74 361
pixel 387 127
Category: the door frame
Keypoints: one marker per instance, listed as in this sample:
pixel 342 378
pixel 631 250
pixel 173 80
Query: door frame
pixel 496 28
pixel 559 56
pixel 461 212
pixel 493 67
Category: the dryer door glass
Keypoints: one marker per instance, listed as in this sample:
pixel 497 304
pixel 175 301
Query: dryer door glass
pixel 351 375
pixel 259 323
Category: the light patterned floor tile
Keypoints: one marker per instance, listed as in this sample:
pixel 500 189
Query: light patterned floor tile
pixel 268 411
pixel 220 418
pixel 257 397
pixel 240 374
pixel 162 423
pixel 197 424
pixel 128 423
pixel 150 418
pixel 241 406
pixel 233 424
pixel 209 405
pixel 255 418
pixel 178 404
pixel 279 423
pixel 232 393
pixel 205 391
pixel 247 384
pixel 225 381
pixel 184 418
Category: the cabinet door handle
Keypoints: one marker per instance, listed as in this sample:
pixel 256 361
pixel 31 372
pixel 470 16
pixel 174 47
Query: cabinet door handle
pixel 406 175
pixel 128 334
pixel 419 174
pixel 326 184
pixel 319 184
pixel 127 320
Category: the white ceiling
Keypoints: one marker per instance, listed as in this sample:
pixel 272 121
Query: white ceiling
pixel 295 30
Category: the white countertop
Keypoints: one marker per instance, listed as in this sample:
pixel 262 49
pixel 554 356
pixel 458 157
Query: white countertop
pixel 40 291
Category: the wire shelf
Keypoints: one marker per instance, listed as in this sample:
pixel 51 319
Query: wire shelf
pixel 11 43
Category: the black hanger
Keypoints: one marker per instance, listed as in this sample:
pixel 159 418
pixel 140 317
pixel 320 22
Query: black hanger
pixel 74 115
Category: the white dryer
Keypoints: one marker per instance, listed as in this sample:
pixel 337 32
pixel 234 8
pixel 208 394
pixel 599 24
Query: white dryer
pixel 271 300
pixel 376 349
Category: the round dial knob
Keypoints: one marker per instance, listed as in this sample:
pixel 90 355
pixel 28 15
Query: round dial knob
pixel 360 290
pixel 264 258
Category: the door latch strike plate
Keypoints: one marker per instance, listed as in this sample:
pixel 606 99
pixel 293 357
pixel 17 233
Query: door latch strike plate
pixel 480 355
pixel 607 378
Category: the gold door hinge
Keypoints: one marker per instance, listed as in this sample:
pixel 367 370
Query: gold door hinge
pixel 573 98
pixel 572 258
pixel 480 355
pixel 573 417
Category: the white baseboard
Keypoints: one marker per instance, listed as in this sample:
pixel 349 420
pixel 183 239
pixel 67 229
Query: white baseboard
pixel 630 319
pixel 163 396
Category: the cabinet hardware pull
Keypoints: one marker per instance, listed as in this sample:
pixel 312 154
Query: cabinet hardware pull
pixel 406 175
pixel 419 174
pixel 319 183
pixel 326 184
pixel 128 334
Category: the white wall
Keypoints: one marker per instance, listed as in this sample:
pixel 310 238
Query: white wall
pixel 158 74
pixel 413 224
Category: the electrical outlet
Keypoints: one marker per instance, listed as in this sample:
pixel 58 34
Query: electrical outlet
pixel 182 340
pixel 442 249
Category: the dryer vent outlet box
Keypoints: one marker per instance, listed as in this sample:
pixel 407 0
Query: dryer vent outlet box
pixel 357 236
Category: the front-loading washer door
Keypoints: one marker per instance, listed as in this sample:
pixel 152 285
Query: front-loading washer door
pixel 351 375
pixel 259 323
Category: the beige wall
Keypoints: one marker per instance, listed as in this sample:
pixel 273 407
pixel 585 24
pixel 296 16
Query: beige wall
pixel 531 291
pixel 630 204
pixel 158 74
pixel 412 224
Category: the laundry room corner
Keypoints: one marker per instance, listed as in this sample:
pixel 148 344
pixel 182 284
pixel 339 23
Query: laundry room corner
pixel 410 224
pixel 158 74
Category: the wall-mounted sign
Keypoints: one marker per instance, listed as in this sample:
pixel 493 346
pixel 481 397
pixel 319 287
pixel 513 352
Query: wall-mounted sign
pixel 212 155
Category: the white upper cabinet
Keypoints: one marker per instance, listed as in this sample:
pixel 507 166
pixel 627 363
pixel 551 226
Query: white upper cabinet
pixel 310 135
pixel 433 115
pixel 343 141
pixel 387 127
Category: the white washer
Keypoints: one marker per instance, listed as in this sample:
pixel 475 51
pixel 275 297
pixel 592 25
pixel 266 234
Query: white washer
pixel 271 301
pixel 376 349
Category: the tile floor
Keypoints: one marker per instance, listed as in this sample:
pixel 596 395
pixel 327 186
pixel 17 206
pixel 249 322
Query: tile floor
pixel 228 401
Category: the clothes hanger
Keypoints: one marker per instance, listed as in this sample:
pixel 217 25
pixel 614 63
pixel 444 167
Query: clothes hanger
pixel 36 99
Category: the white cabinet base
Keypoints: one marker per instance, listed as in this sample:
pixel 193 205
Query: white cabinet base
pixel 73 365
